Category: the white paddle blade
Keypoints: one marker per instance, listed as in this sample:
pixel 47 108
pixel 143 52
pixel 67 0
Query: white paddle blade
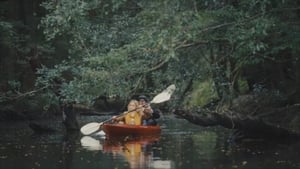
pixel 90 128
pixel 164 95
pixel 90 143
pixel 100 134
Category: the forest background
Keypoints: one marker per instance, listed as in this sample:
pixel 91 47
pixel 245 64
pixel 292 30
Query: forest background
pixel 223 55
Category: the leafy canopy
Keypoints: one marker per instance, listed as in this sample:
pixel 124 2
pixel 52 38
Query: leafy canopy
pixel 126 47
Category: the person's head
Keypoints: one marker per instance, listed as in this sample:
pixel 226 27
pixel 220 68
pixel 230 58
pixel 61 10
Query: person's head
pixel 133 104
pixel 143 100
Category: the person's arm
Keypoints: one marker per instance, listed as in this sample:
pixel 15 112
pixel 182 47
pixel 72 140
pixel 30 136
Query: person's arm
pixel 147 112
pixel 120 118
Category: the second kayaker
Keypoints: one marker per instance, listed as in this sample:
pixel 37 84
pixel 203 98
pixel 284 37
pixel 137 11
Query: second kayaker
pixel 149 114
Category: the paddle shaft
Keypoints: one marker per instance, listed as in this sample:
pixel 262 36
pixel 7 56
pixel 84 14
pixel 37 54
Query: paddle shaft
pixel 120 115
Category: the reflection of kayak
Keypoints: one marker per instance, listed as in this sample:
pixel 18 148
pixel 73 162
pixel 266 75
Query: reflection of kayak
pixel 137 151
pixel 115 144
pixel 117 130
pixel 120 144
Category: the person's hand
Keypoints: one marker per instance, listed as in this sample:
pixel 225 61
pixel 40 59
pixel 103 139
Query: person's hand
pixel 147 110
pixel 140 108
pixel 114 119
pixel 146 106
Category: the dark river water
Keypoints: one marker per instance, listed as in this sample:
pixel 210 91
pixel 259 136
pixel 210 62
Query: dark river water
pixel 181 145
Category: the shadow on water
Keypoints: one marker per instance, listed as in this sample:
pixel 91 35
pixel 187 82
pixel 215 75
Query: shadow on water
pixel 180 145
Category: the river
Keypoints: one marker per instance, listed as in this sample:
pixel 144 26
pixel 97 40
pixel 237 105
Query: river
pixel 181 145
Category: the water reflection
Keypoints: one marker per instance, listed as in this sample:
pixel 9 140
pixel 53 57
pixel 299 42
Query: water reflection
pixel 91 143
pixel 139 152
pixel 181 145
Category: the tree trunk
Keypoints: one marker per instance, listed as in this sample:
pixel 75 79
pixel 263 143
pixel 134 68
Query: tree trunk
pixel 70 118
pixel 247 127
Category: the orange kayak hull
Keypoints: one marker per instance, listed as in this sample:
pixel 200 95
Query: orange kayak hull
pixel 130 130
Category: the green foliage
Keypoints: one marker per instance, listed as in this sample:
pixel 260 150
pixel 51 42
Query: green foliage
pixel 203 94
pixel 61 16
pixel 7 33
pixel 243 86
pixel 103 58
pixel 127 47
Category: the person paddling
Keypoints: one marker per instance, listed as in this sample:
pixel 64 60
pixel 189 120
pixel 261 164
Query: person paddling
pixel 133 115
pixel 149 115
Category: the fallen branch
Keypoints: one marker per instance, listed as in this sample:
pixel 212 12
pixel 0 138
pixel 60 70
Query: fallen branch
pixel 20 95
pixel 251 127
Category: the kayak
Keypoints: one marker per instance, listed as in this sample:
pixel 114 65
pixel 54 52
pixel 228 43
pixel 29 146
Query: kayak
pixel 118 130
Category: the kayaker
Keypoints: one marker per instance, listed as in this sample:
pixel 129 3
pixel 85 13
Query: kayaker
pixel 133 115
pixel 149 114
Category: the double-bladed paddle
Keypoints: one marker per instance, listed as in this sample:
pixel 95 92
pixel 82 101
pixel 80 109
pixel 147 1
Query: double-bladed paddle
pixel 93 127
